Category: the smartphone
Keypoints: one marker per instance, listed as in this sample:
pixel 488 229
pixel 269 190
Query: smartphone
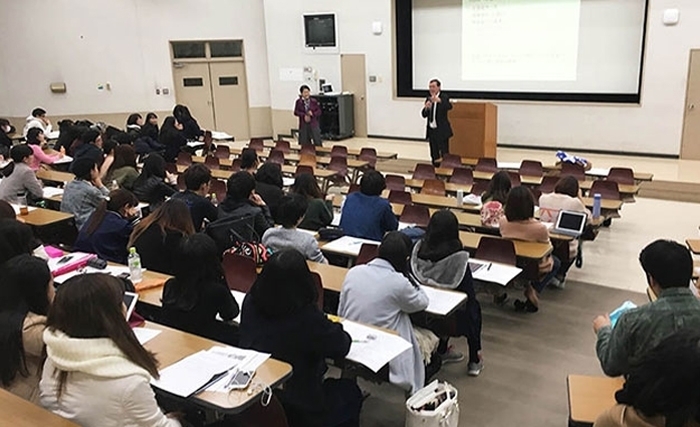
pixel 130 300
pixel 241 380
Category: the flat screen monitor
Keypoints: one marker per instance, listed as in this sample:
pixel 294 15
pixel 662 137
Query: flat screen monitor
pixel 319 30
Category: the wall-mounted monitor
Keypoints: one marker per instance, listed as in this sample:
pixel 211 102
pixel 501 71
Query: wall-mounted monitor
pixel 320 30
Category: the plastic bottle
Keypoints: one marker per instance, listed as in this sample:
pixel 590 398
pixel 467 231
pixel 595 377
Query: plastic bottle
pixel 596 205
pixel 214 200
pixel 135 265
pixel 460 197
pixel 114 186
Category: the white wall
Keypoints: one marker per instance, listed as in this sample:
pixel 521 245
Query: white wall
pixel 125 42
pixel 653 127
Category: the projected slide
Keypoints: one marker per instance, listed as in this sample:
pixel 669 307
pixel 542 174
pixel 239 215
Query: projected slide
pixel 520 40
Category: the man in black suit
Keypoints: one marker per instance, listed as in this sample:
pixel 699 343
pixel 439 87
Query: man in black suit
pixel 438 129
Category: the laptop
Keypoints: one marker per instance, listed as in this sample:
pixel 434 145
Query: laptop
pixel 570 223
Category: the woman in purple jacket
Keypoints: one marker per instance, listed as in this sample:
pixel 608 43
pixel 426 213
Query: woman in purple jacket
pixel 308 110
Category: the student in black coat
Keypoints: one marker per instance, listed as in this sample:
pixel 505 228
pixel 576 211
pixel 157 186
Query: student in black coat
pixel 269 184
pixel 281 316
pixel 150 127
pixel 190 128
pixel 198 293
pixel 90 147
pixel 6 129
pixel 156 236
pixel 171 138
pixel 154 183
pixel 242 201
pixel 197 180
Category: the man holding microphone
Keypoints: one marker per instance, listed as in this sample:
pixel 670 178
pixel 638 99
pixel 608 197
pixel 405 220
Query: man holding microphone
pixel 438 129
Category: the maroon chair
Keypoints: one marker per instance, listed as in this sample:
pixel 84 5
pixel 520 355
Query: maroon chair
pixel 368 155
pixel 531 168
pixel 623 176
pixel 414 214
pixel 451 161
pixel 339 151
pixel 208 142
pixel 222 152
pixel 212 162
pixel 184 159
pixel 433 187
pixel 301 169
pixel 536 193
pixel 395 183
pixel 276 156
pixel 495 249
pixel 283 146
pixel 486 164
pixel 424 171
pixel 171 167
pixel 514 179
pixel 236 165
pixel 218 187
pixel 400 197
pixel 181 182
pixel 480 187
pixel 307 149
pixel 462 176
pixel 240 272
pixel 271 415
pixel 573 169
pixel 318 281
pixel 353 188
pixel 607 189
pixel 340 166
pixel 368 252
pixel 548 183
pixel 257 144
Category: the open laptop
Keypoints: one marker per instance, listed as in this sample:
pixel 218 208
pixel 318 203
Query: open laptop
pixel 570 223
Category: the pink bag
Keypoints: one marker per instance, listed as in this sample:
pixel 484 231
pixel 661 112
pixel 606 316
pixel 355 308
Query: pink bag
pixel 491 213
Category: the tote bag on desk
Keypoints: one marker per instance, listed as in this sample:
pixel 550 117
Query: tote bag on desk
pixel 435 405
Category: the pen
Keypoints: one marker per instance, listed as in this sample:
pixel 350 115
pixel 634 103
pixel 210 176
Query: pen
pixel 211 382
pixel 489 267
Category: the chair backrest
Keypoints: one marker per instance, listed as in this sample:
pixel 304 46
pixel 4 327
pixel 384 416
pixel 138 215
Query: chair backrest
pixel 395 182
pixel 368 252
pixel 272 415
pixel 318 281
pixel 257 144
pixel 339 151
pixel 208 139
pixel 276 156
pixel 236 165
pixel 212 162
pixel 486 164
pixel 181 182
pixel 223 152
pixel 624 176
pixel 424 171
pixel 339 164
pixel 607 189
pixel 184 159
pixel 548 183
pixel 307 149
pixel 307 160
pixel 400 197
pixel 415 214
pixel 354 188
pixel 433 187
pixel 480 187
pixel 369 155
pixel 171 167
pixel 218 187
pixel 495 249
pixel 304 169
pixel 536 193
pixel 514 179
pixel 240 272
pixel 462 176
pixel 573 169
pixel 283 146
pixel 531 168
pixel 451 161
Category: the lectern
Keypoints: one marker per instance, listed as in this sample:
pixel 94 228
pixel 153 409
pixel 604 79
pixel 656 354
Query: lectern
pixel 475 125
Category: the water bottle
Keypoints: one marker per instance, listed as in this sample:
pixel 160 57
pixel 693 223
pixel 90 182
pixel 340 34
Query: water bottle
pixel 596 205
pixel 460 197
pixel 214 200
pixel 134 265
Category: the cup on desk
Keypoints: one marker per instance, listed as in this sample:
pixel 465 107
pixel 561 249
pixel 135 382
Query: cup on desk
pixel 23 206
pixel 460 197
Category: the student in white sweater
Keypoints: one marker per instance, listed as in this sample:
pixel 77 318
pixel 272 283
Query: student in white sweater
pixel 96 373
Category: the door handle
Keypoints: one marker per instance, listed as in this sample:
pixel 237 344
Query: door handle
pixel 691 107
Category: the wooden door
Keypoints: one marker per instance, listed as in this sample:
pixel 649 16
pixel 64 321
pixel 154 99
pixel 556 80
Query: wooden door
pixel 193 88
pixel 690 145
pixel 230 95
pixel 354 80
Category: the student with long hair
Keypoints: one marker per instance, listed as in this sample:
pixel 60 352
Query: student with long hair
pixel 190 127
pixel 440 260
pixel 494 199
pixel 85 193
pixel 16 238
pixel 171 138
pixel 20 179
pixel 25 296
pixel 37 142
pixel 123 169
pixel 150 127
pixel 96 372
pixel 155 183
pixel 107 231
pixel 134 123
pixel 198 292
pixel 269 184
pixel 156 235
pixel 280 316
pixel 366 214
pixel 320 212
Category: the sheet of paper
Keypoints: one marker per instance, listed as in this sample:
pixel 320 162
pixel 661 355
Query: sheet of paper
pixel 443 301
pixel 373 347
pixel 16 208
pixel 347 245
pixel 144 335
pixel 405 225
pixel 472 199
pixel 63 160
pixel 193 372
pixel 53 134
pixel 287 181
pixel 220 135
pixel 52 191
pixel 246 360
pixel 494 272
pixel 193 144
pixel 598 172
pixel 336 219
pixel 508 165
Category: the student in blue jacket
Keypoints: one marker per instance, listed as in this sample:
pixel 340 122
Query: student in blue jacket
pixel 366 214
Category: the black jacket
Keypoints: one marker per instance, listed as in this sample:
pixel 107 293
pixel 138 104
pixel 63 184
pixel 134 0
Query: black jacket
pixel 173 142
pixel 152 190
pixel 191 129
pixel 90 151
pixel 271 194
pixel 262 218
pixel 5 140
pixel 200 208
pixel 156 250
pixel 443 129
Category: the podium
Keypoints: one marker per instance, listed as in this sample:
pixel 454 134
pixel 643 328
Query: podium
pixel 475 127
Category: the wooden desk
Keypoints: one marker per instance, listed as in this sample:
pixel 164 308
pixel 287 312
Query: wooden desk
pixel 450 187
pixel 327 150
pixel 171 346
pixel 486 176
pixel 40 217
pixel 54 175
pixel 625 190
pixel 291 157
pixel 17 412
pixel 590 396
pixel 693 245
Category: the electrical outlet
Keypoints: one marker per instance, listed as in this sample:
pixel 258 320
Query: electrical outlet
pixel 157 91
pixel 372 79
pixel 166 91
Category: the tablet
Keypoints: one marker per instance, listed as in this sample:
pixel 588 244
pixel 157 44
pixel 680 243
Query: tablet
pixel 130 300
pixel 570 223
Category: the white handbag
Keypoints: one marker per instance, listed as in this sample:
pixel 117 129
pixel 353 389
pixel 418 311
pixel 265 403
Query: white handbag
pixel 435 405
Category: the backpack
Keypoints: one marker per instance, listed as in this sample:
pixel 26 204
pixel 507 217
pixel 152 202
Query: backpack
pixel 229 232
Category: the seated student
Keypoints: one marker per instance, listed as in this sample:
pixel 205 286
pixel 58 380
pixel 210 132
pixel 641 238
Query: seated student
pixel 157 235
pixel 190 127
pixel 280 316
pixel 6 129
pixel 320 212
pixel 198 293
pixel 494 199
pixel 37 141
pixel 107 231
pixel 269 184
pixel 519 224
pixel 291 212
pixel 380 294
pixel 7 211
pixel 662 387
pixel 154 184
pixel 20 179
pixel 242 201
pixel 171 138
pixel 16 238
pixel 90 147
pixel 669 268
pixel 96 372
pixel 365 213
pixel 108 148
pixel 439 259
pixel 37 119
pixel 249 161
pixel 150 128
pixel 197 181
pixel 123 168
pixel 145 139
pixel 85 193
pixel 25 296
pixel 133 125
